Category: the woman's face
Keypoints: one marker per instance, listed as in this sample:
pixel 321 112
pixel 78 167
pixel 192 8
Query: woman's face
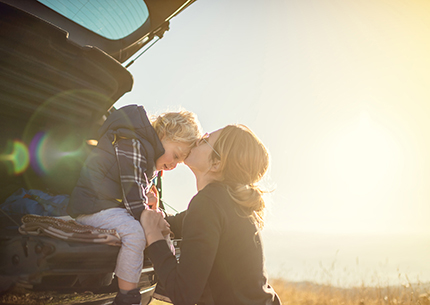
pixel 199 159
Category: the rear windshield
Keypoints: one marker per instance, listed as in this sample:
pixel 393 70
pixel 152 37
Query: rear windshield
pixel 112 19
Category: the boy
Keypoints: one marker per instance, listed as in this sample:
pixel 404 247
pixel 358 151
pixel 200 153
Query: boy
pixel 114 185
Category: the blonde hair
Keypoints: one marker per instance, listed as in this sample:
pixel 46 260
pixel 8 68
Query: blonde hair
pixel 244 161
pixel 181 126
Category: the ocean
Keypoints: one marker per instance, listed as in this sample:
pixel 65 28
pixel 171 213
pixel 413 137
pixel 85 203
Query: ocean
pixel 347 260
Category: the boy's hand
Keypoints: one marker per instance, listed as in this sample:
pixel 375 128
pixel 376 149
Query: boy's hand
pixel 153 201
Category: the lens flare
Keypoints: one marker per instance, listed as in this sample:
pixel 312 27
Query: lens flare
pixel 36 146
pixel 47 151
pixel 16 157
pixel 56 135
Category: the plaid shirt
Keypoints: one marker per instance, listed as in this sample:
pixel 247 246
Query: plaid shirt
pixel 134 182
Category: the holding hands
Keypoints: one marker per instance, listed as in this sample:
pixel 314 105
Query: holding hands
pixel 154 225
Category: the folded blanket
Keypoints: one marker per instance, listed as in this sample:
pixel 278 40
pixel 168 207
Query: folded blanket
pixel 68 230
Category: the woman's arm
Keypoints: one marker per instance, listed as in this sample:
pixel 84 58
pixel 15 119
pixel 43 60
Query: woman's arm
pixel 175 222
pixel 202 227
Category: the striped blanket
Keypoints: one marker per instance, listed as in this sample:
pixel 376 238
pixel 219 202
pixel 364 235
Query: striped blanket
pixel 68 230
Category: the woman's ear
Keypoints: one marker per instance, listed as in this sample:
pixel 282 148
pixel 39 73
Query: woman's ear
pixel 216 166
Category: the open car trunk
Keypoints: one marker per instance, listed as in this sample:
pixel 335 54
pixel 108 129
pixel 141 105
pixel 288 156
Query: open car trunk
pixel 53 94
pixel 57 83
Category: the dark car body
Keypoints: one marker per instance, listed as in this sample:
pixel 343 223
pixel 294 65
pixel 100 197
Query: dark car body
pixel 58 79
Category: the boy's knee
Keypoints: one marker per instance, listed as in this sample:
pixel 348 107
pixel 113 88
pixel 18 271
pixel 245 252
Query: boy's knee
pixel 135 234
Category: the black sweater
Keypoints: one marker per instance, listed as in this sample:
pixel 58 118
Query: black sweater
pixel 221 254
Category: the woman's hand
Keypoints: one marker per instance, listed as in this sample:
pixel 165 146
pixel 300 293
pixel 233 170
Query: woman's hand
pixel 154 225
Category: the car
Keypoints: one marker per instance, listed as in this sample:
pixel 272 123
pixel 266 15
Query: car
pixel 63 66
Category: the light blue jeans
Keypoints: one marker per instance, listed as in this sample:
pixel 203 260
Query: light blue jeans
pixel 133 241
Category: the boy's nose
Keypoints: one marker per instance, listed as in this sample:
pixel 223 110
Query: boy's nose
pixel 172 165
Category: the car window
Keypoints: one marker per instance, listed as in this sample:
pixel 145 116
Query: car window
pixel 112 19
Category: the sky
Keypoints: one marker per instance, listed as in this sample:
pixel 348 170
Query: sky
pixel 338 91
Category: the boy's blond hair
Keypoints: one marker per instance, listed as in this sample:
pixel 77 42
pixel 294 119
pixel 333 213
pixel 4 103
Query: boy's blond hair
pixel 181 126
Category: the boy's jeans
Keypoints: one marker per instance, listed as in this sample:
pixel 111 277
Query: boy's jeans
pixel 130 258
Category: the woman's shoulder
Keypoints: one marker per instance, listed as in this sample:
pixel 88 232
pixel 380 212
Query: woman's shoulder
pixel 210 203
pixel 213 194
pixel 214 189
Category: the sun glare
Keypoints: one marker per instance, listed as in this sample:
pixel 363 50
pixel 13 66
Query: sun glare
pixel 363 156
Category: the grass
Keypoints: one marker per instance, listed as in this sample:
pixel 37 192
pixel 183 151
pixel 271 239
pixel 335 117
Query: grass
pixel 307 293
pixel 291 293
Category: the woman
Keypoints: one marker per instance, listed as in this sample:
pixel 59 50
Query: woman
pixel 221 254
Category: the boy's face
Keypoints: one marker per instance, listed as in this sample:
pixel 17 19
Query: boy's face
pixel 175 152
